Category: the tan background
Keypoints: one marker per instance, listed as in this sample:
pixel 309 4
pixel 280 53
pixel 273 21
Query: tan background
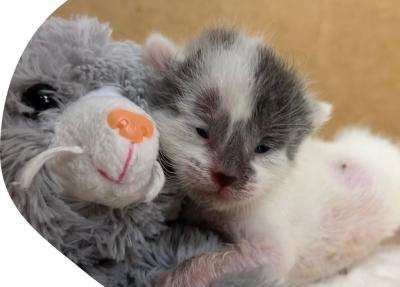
pixel 349 49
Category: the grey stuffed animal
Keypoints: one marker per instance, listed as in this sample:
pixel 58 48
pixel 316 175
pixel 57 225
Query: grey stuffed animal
pixel 64 67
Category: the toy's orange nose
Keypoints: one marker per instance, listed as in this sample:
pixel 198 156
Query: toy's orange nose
pixel 131 125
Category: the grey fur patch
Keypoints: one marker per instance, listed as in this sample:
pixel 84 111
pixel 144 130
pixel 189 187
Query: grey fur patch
pixel 283 111
pixel 208 107
pixel 220 36
pixel 168 96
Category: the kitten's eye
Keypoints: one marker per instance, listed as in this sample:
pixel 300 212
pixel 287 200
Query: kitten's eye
pixel 262 149
pixel 39 97
pixel 202 132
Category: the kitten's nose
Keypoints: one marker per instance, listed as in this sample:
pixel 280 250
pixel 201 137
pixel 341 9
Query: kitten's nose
pixel 222 179
pixel 131 125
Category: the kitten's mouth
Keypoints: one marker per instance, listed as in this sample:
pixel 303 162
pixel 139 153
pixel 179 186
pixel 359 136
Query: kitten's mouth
pixel 230 193
pixel 224 191
pixel 222 195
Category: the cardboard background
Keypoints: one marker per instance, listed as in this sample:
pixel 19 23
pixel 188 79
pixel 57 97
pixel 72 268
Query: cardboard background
pixel 349 49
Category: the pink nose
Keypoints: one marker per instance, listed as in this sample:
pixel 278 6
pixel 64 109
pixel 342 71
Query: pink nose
pixel 222 179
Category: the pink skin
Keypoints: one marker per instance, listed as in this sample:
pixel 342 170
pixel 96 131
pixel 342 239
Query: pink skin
pixel 353 176
pixel 124 168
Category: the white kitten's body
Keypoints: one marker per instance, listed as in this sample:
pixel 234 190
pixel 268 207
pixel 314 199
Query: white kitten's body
pixel 334 207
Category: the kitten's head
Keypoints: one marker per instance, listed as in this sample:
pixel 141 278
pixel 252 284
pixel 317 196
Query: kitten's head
pixel 231 114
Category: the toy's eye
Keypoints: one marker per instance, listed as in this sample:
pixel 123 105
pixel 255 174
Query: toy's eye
pixel 262 149
pixel 39 97
pixel 202 132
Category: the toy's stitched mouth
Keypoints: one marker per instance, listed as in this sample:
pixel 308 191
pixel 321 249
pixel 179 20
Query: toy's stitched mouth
pixel 124 168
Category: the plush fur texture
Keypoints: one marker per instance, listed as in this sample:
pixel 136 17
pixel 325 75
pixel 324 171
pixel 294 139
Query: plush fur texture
pixel 64 61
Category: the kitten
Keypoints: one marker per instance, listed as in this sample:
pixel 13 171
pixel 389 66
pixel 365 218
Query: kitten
pixel 235 121
pixel 231 112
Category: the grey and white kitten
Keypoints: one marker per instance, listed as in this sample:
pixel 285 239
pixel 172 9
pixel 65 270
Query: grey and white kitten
pixel 234 119
pixel 231 115
pixel 231 112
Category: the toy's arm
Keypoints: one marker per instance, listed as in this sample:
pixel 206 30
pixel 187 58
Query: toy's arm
pixel 203 270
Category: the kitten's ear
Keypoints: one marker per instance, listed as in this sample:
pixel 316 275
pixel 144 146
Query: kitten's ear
pixel 159 51
pixel 321 113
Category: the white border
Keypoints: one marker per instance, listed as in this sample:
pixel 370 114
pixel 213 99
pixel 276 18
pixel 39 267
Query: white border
pixel 26 259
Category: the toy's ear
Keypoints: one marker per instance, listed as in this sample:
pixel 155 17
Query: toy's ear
pixel 321 113
pixel 159 51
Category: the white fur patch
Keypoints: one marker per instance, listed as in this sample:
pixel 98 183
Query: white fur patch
pixel 380 270
pixel 322 113
pixel 232 71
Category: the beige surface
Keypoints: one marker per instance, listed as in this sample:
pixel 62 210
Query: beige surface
pixel 350 49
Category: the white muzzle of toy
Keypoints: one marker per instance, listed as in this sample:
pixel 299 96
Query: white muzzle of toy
pixel 105 151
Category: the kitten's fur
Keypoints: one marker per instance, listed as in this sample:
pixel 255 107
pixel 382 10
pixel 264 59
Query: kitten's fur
pixel 244 95
pixel 314 207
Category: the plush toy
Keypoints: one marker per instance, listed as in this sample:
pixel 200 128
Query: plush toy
pixel 104 149
pixel 79 156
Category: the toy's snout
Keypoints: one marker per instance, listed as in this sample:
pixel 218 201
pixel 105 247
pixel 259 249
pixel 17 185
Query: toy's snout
pixel 132 126
pixel 118 146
